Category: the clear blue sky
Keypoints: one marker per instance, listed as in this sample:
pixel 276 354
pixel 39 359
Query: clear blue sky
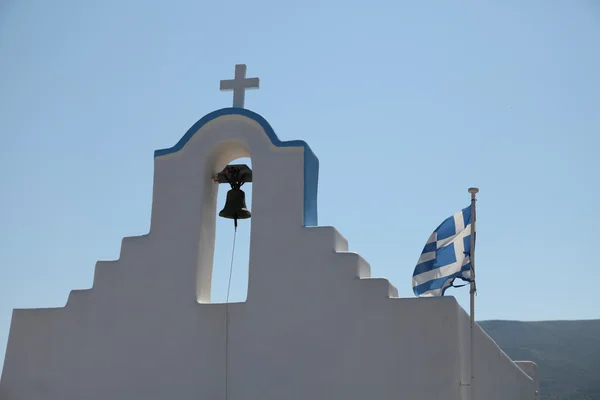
pixel 406 104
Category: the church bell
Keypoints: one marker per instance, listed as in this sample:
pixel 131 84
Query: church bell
pixel 235 205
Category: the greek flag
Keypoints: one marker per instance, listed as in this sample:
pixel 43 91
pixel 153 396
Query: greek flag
pixel 445 257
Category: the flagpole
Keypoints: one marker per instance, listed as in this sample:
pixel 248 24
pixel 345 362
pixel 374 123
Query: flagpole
pixel 473 290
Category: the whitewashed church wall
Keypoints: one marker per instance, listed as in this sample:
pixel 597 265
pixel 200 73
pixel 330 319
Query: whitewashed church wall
pixel 314 326
pixel 496 375
pixel 530 368
pixel 347 345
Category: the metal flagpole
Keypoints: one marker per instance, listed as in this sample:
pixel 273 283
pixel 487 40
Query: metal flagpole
pixel 473 290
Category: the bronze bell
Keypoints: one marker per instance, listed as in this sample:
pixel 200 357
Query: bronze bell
pixel 235 205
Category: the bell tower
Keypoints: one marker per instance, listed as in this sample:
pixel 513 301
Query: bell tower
pixel 284 179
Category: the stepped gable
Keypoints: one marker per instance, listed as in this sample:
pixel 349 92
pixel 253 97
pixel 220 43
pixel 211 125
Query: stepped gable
pixel 315 325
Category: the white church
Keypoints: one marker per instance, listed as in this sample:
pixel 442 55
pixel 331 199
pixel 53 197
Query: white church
pixel 315 326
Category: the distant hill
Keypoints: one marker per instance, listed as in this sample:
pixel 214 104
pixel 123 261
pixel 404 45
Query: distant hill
pixel 567 354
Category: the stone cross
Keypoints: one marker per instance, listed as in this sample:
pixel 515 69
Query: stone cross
pixel 239 85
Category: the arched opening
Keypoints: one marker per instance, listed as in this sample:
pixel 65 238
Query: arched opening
pixel 224 237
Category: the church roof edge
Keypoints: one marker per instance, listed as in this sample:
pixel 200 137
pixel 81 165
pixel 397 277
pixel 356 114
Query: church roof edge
pixel 233 111
pixel 311 162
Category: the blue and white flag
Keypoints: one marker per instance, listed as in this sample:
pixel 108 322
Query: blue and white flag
pixel 445 257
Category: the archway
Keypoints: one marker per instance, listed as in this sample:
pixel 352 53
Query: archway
pixel 222 260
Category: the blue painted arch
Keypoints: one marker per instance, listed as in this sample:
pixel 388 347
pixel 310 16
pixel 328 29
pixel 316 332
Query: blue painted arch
pixel 311 162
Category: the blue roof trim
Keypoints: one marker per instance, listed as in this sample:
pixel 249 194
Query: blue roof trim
pixel 311 162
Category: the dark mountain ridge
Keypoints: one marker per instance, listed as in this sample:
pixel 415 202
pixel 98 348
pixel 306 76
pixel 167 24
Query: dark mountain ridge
pixel 567 354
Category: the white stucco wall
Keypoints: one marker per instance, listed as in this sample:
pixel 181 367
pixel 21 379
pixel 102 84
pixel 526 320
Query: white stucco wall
pixel 531 369
pixel 496 375
pixel 315 326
